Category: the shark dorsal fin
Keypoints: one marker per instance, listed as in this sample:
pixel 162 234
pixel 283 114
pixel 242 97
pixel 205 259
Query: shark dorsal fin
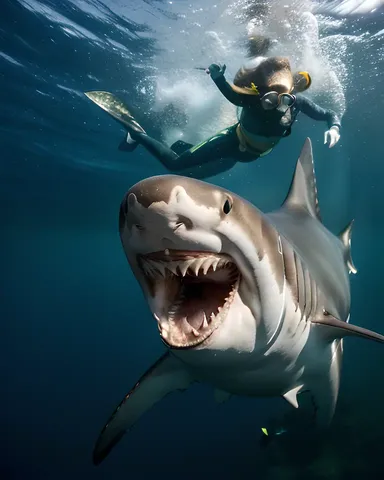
pixel 303 192
pixel 345 238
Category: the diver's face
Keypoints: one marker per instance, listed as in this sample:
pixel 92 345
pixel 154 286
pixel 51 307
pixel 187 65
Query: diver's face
pixel 277 101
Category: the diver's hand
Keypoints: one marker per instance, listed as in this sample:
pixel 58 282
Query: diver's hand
pixel 332 135
pixel 216 71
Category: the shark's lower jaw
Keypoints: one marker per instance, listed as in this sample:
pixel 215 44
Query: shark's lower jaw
pixel 191 293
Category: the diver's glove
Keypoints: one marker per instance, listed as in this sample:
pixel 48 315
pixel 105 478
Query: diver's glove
pixel 216 71
pixel 332 135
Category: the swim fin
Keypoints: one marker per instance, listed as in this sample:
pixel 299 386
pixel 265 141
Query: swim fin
pixel 180 147
pixel 117 109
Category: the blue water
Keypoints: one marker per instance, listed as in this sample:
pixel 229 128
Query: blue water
pixel 76 332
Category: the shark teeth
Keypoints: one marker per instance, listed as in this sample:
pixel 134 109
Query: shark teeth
pixel 192 293
pixel 192 336
pixel 197 264
pixel 190 266
pixel 205 322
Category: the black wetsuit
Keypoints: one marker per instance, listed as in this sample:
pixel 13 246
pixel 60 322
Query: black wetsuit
pixel 221 151
pixel 273 123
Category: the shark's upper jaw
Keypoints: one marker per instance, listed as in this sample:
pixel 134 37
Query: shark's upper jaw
pixel 190 293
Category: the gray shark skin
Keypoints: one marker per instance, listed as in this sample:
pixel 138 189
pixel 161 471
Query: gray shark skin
pixel 253 304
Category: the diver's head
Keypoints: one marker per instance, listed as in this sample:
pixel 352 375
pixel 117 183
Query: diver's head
pixel 262 75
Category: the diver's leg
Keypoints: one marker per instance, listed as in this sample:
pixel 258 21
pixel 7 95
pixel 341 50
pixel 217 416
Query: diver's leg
pixel 162 152
pixel 216 155
pixel 213 150
pixel 221 146
pixel 213 156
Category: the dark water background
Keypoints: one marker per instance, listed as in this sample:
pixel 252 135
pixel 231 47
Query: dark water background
pixel 75 331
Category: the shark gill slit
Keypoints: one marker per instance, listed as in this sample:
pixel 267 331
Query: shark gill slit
pixel 301 290
pixel 308 293
pixel 314 297
pixel 291 272
pixel 279 325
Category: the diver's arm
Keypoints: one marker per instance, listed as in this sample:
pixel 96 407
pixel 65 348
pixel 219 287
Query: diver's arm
pixel 217 75
pixel 232 96
pixel 312 110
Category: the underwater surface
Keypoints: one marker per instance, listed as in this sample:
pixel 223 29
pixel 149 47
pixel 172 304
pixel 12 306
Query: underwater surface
pixel 76 329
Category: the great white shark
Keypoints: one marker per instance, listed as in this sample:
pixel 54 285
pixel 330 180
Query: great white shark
pixel 251 303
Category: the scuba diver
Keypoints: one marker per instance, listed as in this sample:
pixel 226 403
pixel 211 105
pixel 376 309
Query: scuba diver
pixel 264 88
pixel 270 433
pixel 294 425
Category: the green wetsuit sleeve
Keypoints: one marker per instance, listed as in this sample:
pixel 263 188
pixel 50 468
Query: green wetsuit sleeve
pixel 236 98
pixel 312 110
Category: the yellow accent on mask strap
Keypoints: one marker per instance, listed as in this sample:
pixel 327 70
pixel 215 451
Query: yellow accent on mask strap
pixel 265 431
pixel 307 78
pixel 254 88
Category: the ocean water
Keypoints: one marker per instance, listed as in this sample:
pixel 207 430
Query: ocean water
pixel 75 329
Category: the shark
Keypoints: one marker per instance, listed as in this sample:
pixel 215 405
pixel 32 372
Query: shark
pixel 254 304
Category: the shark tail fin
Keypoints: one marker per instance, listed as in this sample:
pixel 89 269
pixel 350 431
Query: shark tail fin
pixel 302 194
pixel 345 237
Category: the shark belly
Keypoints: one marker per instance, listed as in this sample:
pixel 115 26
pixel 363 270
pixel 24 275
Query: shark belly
pixel 269 370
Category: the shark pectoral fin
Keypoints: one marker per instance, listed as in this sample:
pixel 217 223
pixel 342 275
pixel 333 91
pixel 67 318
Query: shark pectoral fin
pixel 334 329
pixel 324 386
pixel 291 396
pixel 165 376
pixel 221 396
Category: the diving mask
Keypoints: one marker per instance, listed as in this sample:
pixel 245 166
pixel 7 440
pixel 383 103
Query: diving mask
pixel 272 100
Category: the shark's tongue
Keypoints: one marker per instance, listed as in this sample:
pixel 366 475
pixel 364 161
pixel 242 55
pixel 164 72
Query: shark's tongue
pixel 199 302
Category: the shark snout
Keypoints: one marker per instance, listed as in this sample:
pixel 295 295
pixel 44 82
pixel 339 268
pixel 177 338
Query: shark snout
pixel 151 221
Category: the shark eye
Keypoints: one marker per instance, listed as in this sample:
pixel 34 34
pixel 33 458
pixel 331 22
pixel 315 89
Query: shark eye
pixel 139 227
pixel 227 207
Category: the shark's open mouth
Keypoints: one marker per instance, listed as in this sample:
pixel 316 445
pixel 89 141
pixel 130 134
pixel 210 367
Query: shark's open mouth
pixel 192 293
